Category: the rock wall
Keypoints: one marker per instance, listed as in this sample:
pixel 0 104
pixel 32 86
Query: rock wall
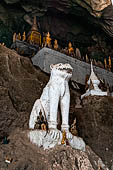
pixel 95 125
pixel 47 56
pixel 27 156
pixel 20 85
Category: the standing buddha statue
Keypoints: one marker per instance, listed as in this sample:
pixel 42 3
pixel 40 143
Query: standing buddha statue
pixel 56 45
pixel 105 63
pixel 48 40
pixel 63 142
pixel 24 36
pixel 109 63
pixel 19 36
pixel 14 37
pixel 87 60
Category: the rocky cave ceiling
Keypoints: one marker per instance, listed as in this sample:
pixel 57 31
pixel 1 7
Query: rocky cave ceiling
pixel 67 20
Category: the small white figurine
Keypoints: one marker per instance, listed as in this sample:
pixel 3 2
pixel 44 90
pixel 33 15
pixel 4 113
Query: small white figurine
pixel 93 84
pixel 56 92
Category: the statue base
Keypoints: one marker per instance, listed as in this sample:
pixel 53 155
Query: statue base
pixel 94 93
pixel 54 137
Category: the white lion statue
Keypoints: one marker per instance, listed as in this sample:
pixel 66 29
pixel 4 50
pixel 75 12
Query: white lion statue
pixel 56 92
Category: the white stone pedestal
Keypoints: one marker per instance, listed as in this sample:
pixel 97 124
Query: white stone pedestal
pixel 94 93
pixel 52 138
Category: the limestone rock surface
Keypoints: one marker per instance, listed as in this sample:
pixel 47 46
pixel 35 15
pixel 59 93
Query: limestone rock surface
pixel 95 125
pixel 24 48
pixel 20 86
pixel 25 155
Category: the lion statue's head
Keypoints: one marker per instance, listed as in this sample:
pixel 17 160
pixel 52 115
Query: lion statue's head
pixel 63 70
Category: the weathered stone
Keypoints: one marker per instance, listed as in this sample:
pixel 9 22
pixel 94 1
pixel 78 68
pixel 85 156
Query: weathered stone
pixel 95 125
pixel 20 85
pixel 19 88
pixel 112 167
pixel 11 2
pixel 24 48
pixel 27 156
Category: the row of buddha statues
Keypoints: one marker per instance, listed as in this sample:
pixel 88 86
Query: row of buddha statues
pixel 67 50
pixel 34 37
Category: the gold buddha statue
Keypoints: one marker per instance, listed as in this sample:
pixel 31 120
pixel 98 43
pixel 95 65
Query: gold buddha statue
pixel 14 37
pixel 19 36
pixel 56 44
pixel 109 62
pixel 63 138
pixel 24 36
pixel 34 36
pixel 70 48
pixel 87 59
pixel 105 63
pixel 48 40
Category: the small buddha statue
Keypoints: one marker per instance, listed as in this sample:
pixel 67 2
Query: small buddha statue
pixel 56 44
pixel 105 63
pixel 19 36
pixel 40 121
pixel 70 48
pixel 14 37
pixel 24 36
pixel 73 128
pixel 87 60
pixel 109 63
pixel 48 40
pixel 63 138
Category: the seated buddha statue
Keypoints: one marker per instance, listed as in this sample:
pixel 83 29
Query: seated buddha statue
pixel 70 48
